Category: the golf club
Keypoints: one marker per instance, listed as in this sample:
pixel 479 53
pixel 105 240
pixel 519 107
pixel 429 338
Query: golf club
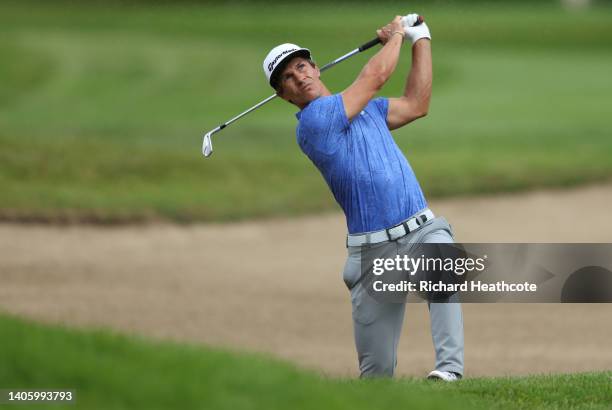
pixel 207 148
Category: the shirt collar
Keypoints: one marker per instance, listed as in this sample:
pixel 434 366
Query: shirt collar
pixel 299 113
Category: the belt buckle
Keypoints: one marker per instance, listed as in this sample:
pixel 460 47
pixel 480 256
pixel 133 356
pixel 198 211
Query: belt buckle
pixel 387 231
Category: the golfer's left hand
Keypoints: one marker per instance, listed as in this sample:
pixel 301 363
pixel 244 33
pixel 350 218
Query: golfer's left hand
pixel 415 33
pixel 393 28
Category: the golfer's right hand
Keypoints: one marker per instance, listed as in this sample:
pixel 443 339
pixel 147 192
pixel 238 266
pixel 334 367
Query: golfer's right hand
pixel 394 28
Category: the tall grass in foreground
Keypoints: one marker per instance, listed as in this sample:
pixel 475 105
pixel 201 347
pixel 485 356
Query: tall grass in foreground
pixel 111 371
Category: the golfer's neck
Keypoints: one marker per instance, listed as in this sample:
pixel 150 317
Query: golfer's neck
pixel 324 92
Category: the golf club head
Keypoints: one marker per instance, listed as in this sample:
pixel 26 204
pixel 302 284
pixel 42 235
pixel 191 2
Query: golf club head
pixel 207 144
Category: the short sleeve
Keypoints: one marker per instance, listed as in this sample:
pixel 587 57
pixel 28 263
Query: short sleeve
pixel 323 125
pixel 382 105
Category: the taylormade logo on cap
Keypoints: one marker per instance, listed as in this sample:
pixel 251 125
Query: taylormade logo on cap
pixel 273 62
pixel 281 53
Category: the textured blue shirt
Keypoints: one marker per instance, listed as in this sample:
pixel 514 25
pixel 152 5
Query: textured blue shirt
pixel 367 173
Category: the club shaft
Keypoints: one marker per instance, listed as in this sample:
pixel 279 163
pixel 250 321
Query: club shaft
pixel 339 59
pixel 359 49
pixel 237 117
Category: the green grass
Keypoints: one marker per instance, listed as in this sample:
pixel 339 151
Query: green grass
pixel 110 371
pixel 102 107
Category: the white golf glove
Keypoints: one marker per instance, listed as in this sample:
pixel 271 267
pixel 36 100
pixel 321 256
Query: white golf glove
pixel 413 32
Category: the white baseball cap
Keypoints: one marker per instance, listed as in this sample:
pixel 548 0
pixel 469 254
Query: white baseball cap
pixel 273 63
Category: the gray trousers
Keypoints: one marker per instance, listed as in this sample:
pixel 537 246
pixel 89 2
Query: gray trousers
pixel 377 326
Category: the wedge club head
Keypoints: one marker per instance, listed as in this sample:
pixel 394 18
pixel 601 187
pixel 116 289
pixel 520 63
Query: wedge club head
pixel 207 148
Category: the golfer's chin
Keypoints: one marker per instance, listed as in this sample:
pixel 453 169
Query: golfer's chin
pixel 308 95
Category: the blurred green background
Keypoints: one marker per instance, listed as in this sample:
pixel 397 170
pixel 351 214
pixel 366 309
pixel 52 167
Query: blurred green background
pixel 103 105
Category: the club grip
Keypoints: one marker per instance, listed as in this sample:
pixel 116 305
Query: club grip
pixel 375 41
pixel 369 44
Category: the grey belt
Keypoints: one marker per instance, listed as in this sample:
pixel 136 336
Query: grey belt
pixel 409 225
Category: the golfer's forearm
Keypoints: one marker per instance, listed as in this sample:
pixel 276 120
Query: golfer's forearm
pixel 418 84
pixel 383 63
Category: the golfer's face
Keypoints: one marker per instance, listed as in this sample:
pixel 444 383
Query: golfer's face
pixel 300 81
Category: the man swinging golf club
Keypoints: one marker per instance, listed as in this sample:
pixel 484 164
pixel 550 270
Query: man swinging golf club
pixel 347 137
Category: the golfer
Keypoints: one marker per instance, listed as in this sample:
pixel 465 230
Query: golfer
pixel 347 137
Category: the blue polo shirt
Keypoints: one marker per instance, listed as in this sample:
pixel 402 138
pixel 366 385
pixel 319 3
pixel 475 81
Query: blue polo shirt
pixel 367 173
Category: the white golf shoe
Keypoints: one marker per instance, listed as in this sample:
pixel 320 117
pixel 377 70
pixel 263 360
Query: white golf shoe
pixel 444 376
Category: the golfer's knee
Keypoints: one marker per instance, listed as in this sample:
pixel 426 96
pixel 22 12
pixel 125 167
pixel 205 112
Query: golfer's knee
pixel 377 366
